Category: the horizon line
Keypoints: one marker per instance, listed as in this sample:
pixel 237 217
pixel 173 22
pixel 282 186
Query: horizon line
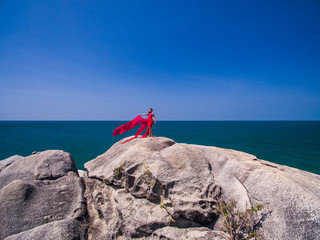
pixel 165 120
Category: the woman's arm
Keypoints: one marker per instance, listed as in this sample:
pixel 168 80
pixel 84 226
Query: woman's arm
pixel 155 121
pixel 143 114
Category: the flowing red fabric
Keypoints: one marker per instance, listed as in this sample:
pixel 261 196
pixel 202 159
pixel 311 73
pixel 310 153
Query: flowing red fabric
pixel 133 123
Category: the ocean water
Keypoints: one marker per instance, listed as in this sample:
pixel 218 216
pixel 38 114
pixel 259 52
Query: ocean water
pixel 291 143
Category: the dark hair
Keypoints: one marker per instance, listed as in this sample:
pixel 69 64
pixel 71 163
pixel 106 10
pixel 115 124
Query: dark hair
pixel 151 109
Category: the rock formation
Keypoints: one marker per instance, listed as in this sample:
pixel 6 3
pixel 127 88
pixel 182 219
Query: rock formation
pixel 156 188
pixel 153 188
pixel 41 197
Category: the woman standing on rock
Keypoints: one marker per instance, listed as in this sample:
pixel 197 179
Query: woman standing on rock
pixel 148 122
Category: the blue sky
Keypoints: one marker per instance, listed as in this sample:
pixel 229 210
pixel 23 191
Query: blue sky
pixel 189 60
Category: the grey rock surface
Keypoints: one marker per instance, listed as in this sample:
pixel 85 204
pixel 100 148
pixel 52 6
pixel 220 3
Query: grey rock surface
pixel 291 197
pixel 81 173
pixel 153 187
pixel 200 233
pixel 57 230
pixel 113 213
pixel 40 189
pixel 6 162
pixel 148 184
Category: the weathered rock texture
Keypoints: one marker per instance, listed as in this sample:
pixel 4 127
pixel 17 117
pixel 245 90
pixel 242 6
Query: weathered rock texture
pixel 152 188
pixel 41 197
pixel 155 188
pixel 201 233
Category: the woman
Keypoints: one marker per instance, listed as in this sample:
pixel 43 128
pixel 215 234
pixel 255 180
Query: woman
pixel 150 121
pixel 135 122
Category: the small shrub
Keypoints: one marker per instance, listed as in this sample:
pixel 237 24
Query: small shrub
pixel 118 170
pixel 239 224
pixel 147 170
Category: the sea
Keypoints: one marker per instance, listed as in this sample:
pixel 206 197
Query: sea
pixel 291 143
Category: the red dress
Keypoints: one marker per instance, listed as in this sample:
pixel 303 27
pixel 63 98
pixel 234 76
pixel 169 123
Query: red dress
pixel 133 123
pixel 150 123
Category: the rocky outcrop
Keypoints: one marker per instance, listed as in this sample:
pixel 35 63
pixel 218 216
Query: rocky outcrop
pixel 41 197
pixel 153 188
pixel 158 189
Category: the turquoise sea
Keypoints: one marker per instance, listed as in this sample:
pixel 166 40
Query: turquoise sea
pixel 291 143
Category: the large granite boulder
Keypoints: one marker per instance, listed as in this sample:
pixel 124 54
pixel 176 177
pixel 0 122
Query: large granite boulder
pixel 154 188
pixel 41 197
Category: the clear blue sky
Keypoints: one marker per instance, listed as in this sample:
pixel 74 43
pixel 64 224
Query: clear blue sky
pixel 189 60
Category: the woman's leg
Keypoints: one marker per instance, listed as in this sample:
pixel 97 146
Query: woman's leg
pixel 151 133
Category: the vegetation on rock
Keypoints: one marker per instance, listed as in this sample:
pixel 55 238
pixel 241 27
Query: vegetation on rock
pixel 118 170
pixel 239 224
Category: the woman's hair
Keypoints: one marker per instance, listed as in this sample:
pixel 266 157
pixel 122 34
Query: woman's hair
pixel 151 109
